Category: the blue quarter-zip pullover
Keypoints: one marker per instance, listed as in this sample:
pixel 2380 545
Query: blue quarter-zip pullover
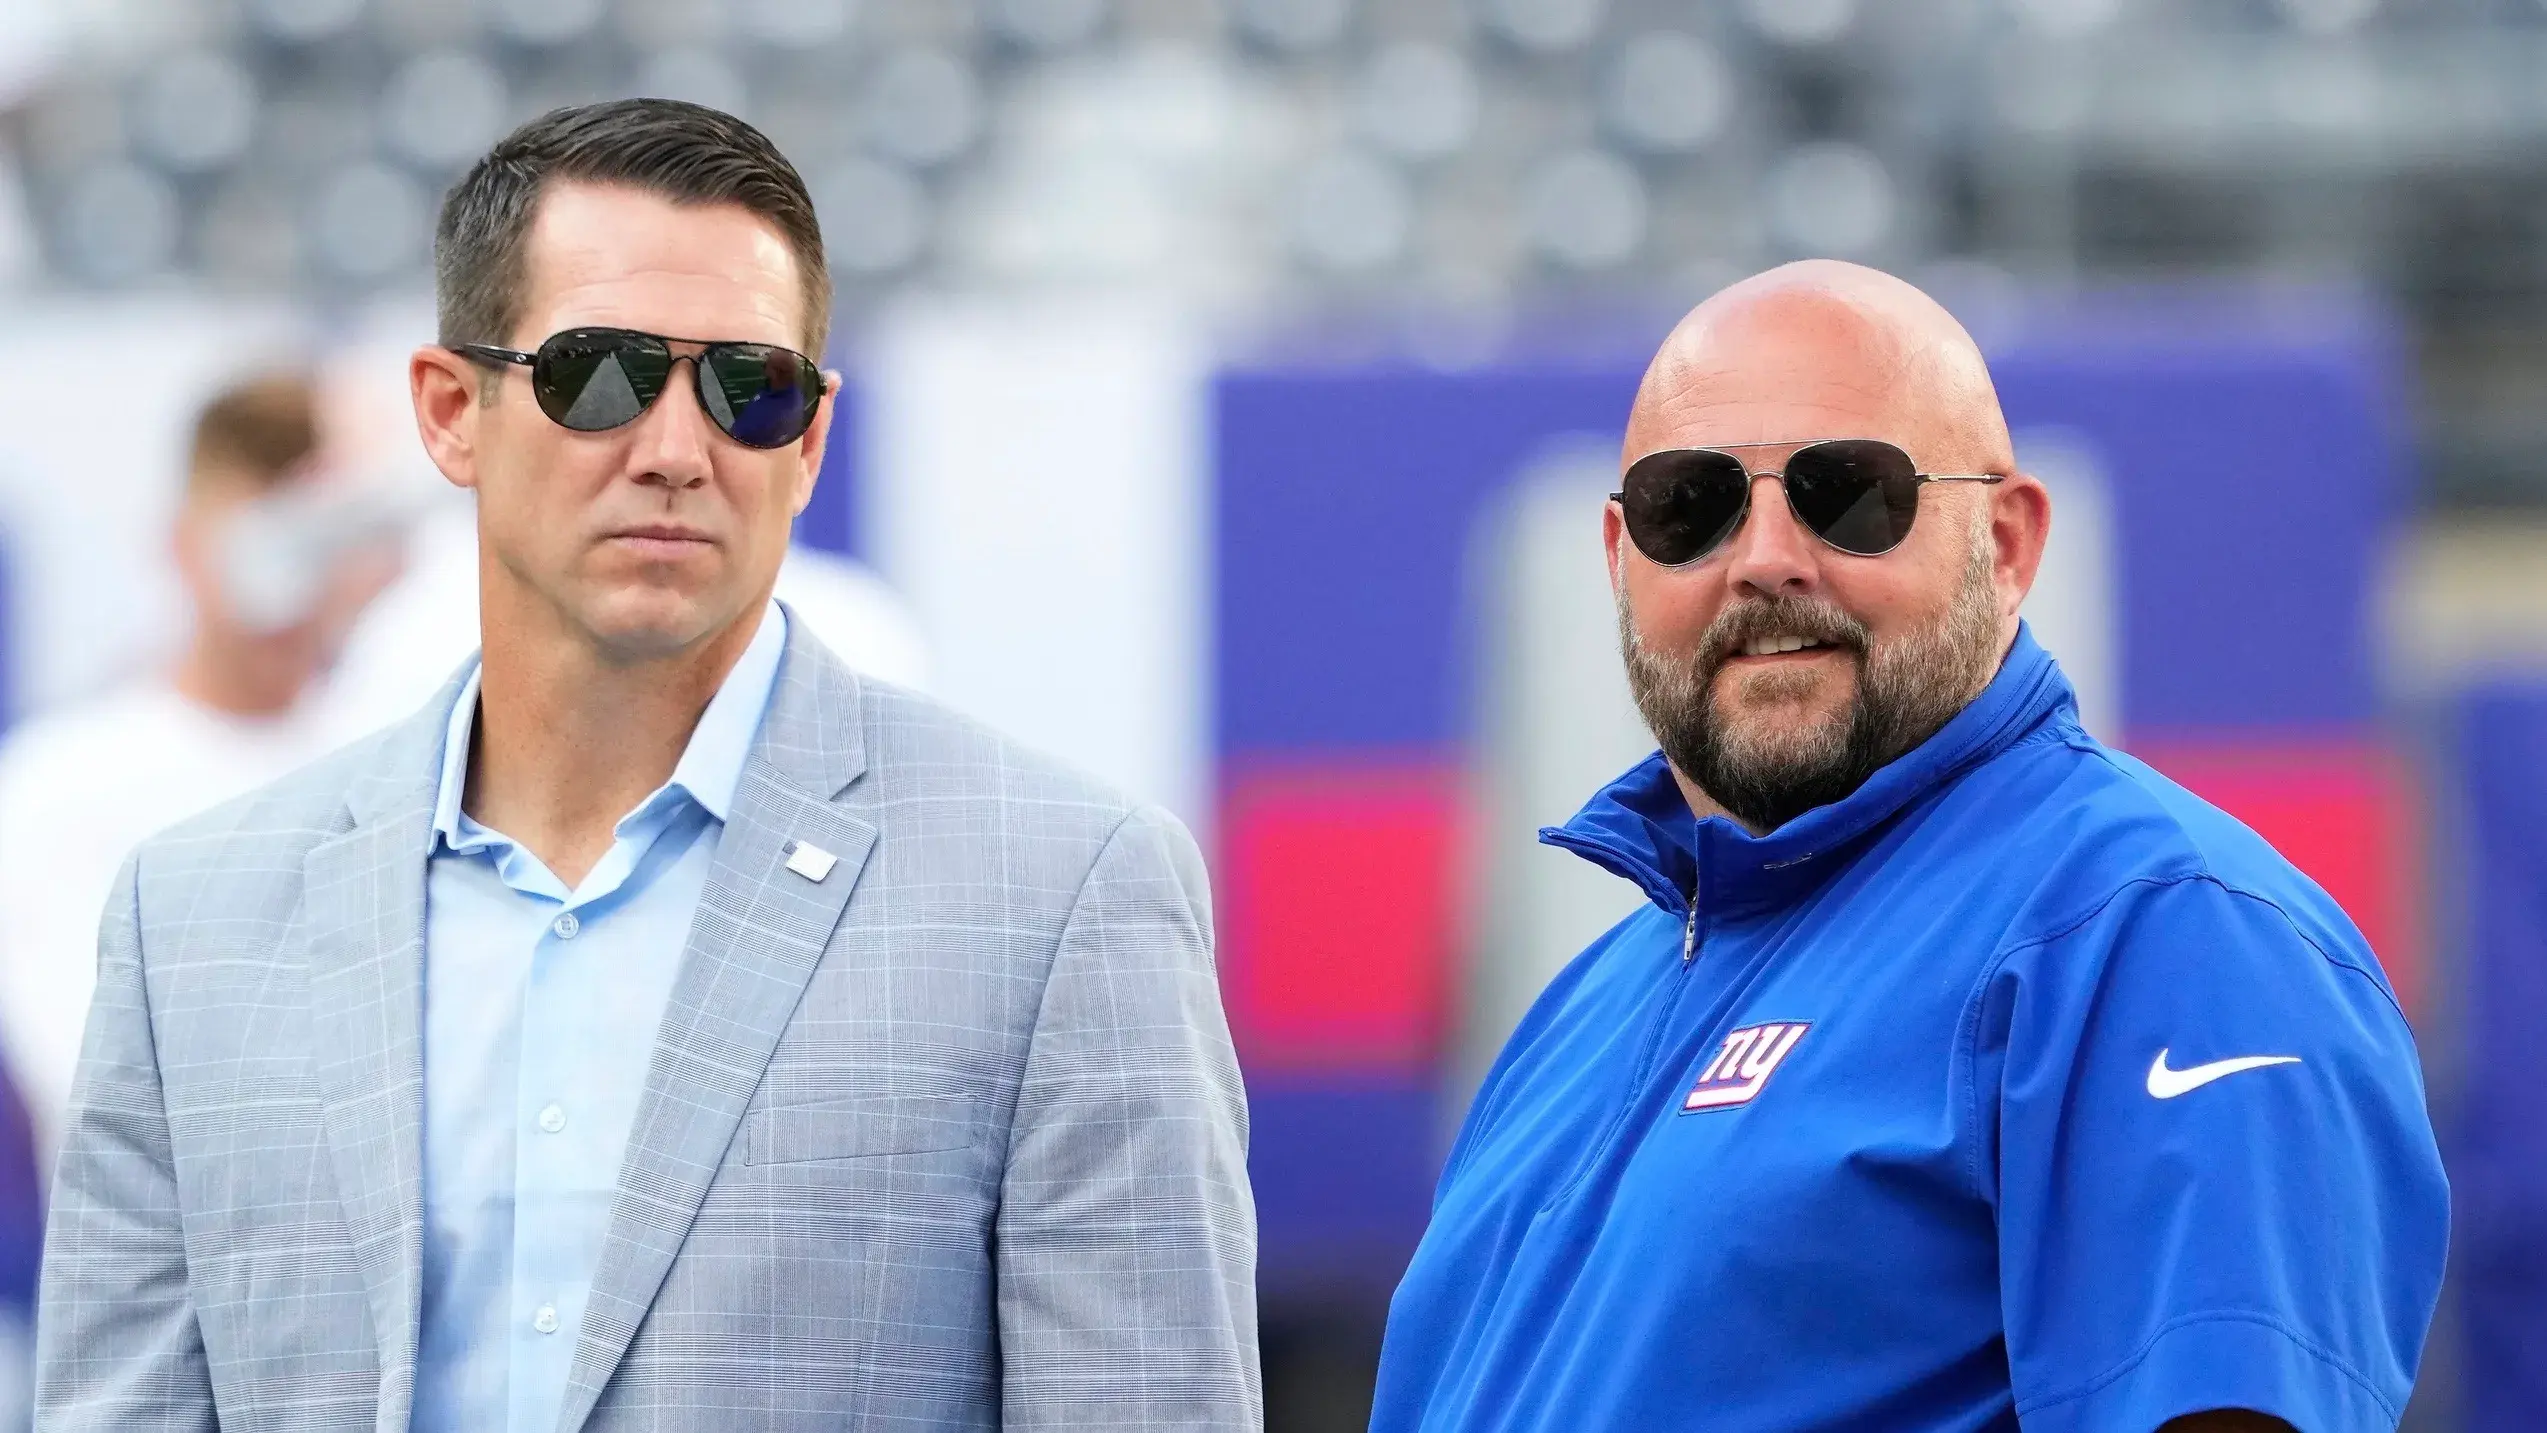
pixel 2021 1086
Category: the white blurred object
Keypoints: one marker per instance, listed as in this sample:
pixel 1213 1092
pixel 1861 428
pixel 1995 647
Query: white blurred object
pixel 417 633
pixel 279 552
pixel 862 620
pixel 1556 725
pixel 1055 557
pixel 33 36
pixel 79 788
pixel 17 1368
pixel 19 247
pixel 2075 609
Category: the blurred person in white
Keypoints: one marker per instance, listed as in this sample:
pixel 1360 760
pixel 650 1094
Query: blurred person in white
pixel 82 785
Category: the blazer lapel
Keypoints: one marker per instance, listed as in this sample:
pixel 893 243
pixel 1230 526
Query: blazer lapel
pixel 363 904
pixel 760 931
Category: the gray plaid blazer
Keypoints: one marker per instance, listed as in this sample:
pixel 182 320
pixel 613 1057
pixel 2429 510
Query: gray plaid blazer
pixel 952 1138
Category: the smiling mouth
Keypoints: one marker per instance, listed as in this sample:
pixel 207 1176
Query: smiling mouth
pixel 1778 646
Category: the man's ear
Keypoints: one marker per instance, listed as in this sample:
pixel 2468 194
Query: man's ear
pixel 2020 516
pixel 445 389
pixel 1614 545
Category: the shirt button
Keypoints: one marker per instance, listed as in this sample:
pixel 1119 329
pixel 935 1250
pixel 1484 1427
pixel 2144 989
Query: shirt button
pixel 553 1118
pixel 546 1319
pixel 566 926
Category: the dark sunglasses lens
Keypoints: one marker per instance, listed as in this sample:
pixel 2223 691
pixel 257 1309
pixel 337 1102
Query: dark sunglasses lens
pixel 1682 505
pixel 1858 493
pixel 763 397
pixel 591 380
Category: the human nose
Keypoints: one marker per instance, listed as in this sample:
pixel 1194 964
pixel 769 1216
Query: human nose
pixel 1772 553
pixel 673 438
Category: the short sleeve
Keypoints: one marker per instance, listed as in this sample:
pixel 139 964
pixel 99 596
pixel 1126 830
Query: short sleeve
pixel 2216 1181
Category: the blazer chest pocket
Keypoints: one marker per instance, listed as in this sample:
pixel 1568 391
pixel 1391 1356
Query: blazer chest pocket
pixel 861 1127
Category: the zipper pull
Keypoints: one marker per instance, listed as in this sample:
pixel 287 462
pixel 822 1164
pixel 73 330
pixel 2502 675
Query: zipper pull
pixel 1689 936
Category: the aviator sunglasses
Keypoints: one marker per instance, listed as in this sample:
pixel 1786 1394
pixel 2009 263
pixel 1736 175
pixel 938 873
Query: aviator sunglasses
pixel 596 379
pixel 1857 494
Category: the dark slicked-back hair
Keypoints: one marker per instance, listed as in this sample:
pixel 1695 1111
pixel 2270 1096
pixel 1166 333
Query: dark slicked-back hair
pixel 686 153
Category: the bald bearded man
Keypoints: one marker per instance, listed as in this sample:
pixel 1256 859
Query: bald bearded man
pixel 1959 1072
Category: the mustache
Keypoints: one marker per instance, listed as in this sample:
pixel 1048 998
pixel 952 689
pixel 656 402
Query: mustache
pixel 1736 627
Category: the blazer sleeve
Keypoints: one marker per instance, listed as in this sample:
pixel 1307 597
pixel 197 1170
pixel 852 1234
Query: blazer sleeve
pixel 1126 1239
pixel 117 1346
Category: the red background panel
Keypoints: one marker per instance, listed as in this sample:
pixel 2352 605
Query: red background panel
pixel 1342 902
pixel 2339 810
pixel 1339 911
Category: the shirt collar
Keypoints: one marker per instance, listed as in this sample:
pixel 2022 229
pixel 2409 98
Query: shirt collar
pixel 711 766
pixel 1641 828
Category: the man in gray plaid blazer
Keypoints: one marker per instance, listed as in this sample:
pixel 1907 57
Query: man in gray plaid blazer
pixel 664 1029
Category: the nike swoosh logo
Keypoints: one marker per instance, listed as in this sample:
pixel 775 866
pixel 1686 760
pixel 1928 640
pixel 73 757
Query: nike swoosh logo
pixel 2166 1084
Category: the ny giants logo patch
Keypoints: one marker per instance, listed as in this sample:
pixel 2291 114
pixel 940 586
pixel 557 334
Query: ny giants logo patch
pixel 1743 1064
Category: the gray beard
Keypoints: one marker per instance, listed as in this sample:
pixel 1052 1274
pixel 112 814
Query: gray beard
pixel 1906 689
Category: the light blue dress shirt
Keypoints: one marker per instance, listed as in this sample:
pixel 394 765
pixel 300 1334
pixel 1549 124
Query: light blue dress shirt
pixel 540 1014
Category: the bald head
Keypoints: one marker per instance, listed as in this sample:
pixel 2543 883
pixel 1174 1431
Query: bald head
pixel 1823 349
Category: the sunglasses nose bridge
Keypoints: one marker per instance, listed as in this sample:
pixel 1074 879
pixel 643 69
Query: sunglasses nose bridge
pixel 1773 548
pixel 680 440
pixel 698 371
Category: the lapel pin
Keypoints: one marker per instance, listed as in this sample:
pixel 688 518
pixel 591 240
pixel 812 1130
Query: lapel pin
pixel 810 861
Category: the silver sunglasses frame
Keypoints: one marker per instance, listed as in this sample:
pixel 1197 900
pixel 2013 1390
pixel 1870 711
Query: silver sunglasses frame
pixel 1751 474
